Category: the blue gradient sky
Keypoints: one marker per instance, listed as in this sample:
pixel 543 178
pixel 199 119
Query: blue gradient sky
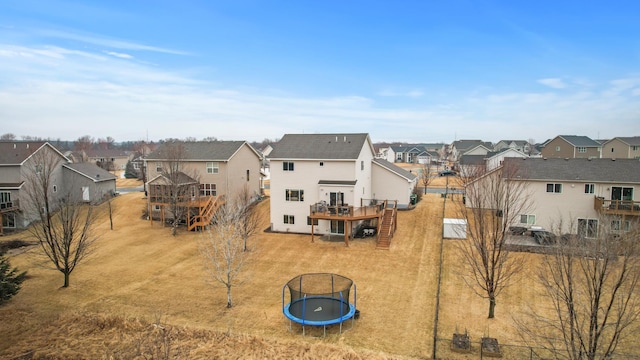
pixel 416 71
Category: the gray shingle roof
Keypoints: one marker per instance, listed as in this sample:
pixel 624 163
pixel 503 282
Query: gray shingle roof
pixel 582 141
pixel 92 171
pixel 473 159
pixel 583 170
pixel 631 141
pixel 200 150
pixel 319 146
pixel 15 152
pixel 396 169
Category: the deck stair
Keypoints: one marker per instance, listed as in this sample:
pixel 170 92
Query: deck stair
pixel 386 229
pixel 205 213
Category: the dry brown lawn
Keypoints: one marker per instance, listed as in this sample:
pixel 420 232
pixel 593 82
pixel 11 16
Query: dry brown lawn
pixel 139 273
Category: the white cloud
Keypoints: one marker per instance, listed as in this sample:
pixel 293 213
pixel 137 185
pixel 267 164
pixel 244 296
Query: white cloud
pixel 553 83
pixel 119 55
pixel 415 93
pixel 64 93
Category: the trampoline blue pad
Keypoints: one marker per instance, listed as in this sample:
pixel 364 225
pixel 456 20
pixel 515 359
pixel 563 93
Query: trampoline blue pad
pixel 319 311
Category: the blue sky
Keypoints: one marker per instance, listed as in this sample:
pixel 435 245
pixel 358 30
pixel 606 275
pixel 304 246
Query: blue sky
pixel 415 71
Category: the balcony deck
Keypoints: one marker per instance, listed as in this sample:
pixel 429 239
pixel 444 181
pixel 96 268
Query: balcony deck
pixel 345 212
pixel 617 207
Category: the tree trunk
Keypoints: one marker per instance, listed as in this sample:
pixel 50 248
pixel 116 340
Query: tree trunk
pixel 229 303
pixel 66 280
pixel 492 307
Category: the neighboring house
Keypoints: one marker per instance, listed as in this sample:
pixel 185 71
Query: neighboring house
pixel 622 148
pixel 474 165
pixel 571 146
pixel 575 194
pixel 477 150
pixel 459 147
pixel 521 145
pixel 216 169
pixel 410 153
pixel 109 159
pixel 94 182
pixel 330 184
pixel 428 157
pixel 18 160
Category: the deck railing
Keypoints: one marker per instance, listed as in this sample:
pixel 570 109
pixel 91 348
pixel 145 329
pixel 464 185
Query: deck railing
pixel 626 207
pixel 321 209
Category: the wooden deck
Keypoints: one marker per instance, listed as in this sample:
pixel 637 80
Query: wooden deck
pixel 199 209
pixel 617 207
pixel 349 214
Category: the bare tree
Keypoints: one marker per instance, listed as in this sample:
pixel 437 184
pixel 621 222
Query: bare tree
pixel 83 143
pixel 493 202
pixel 425 174
pixel 591 284
pixel 63 223
pixel 249 218
pixel 180 186
pixel 8 136
pixel 223 247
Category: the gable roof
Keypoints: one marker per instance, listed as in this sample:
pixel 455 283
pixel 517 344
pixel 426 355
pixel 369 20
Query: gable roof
pixel 581 170
pixel 16 152
pixel 462 145
pixel 631 140
pixel 395 169
pixel 581 141
pixel 320 146
pixel 473 159
pixel 202 150
pixel 182 178
pixel 91 171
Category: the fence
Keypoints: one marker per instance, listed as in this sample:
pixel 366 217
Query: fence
pixel 507 351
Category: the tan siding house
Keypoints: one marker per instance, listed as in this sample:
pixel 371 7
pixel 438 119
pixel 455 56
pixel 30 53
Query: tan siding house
pixel 578 191
pixel 622 148
pixel 571 146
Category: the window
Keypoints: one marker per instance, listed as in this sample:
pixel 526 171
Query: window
pixel 337 226
pixel 634 148
pixel 208 190
pixel 557 148
pixel 156 207
pixel 247 174
pixel 38 169
pixel 554 188
pixel 213 167
pixel 527 219
pixel 362 165
pixel 589 188
pixel 8 220
pixel 622 193
pixel 582 149
pixel 136 165
pixel 159 168
pixel 287 165
pixel 587 228
pixel 321 163
pixel 55 188
pixel 617 225
pixel 399 157
pixel 289 219
pixel 294 195
pixel 5 198
pixel 311 221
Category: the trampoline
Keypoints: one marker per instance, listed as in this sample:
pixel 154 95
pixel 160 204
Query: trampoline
pixel 319 299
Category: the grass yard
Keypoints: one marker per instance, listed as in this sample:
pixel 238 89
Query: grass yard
pixel 140 275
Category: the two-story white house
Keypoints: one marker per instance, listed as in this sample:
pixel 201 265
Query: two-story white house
pixel 330 183
pixel 577 194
